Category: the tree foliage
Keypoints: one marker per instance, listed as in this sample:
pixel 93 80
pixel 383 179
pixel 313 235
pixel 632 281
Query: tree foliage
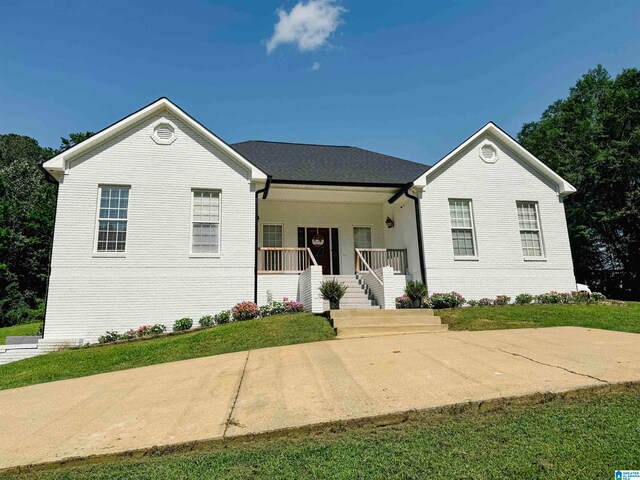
pixel 27 214
pixel 592 138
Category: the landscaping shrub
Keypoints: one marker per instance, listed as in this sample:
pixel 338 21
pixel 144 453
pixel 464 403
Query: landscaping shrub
pixel 551 297
pixel 446 300
pixel 485 302
pixel 109 337
pixel 426 303
pixel 158 328
pixel 292 306
pixel 245 311
pixel 272 308
pixel 182 324
pixel 569 297
pixel 416 291
pixel 333 290
pixel 129 335
pixel 207 321
pixel 222 317
pixel 502 300
pixel 143 331
pixel 524 298
pixel 472 303
pixel 403 302
pixel 579 297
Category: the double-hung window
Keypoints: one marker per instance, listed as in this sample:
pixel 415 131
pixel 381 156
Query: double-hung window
pixel 362 237
pixel 205 224
pixel 462 234
pixel 113 216
pixel 530 234
pixel 272 236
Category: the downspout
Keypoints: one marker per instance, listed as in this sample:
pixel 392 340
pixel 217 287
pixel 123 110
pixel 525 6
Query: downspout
pixel 264 191
pixel 51 179
pixel 416 202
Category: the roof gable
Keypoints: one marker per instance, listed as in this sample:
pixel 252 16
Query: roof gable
pixel 60 163
pixel 564 187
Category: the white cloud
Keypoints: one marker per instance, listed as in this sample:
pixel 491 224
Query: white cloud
pixel 315 67
pixel 308 25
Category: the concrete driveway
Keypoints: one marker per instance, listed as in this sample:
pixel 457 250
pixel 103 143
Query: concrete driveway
pixel 274 388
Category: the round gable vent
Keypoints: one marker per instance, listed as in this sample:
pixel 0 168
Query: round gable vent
pixel 488 152
pixel 164 132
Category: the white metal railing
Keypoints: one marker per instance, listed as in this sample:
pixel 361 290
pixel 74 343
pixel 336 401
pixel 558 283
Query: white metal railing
pixel 284 260
pixel 377 258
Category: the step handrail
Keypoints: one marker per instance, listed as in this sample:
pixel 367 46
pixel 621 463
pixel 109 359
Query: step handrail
pixel 360 259
pixel 313 259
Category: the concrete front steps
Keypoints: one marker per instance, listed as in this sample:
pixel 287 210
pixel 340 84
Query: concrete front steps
pixel 358 296
pixel 22 351
pixel 356 323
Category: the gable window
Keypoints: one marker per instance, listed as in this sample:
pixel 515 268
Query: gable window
pixel 205 225
pixel 462 234
pixel 112 218
pixel 530 234
pixel 272 236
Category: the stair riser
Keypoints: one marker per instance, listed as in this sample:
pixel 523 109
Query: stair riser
pixel 344 313
pixel 383 322
pixel 359 307
pixel 375 330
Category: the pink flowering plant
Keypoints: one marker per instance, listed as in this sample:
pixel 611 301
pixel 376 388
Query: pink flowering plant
pixel 447 300
pixel 245 311
pixel 292 306
pixel 404 302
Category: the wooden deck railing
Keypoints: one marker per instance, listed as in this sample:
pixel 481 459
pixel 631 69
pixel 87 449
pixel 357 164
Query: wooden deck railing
pixel 363 266
pixel 376 258
pixel 284 260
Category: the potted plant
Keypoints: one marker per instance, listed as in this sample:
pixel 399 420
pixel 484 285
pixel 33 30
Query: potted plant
pixel 416 291
pixel 333 290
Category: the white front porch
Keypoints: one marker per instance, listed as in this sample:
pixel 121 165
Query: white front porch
pixel 305 232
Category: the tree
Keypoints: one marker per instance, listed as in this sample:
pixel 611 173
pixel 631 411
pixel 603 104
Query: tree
pixel 592 138
pixel 27 215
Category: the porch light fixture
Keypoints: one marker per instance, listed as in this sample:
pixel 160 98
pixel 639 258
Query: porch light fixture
pixel 389 223
pixel 317 240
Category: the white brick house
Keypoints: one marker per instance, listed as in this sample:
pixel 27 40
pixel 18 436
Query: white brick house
pixel 158 218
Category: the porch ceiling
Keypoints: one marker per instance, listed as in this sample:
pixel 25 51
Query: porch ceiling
pixel 330 194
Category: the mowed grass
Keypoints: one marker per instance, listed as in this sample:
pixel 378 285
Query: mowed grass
pixel 585 435
pixel 18 330
pixel 233 337
pixel 624 317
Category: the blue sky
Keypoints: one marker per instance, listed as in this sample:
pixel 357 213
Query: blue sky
pixel 410 79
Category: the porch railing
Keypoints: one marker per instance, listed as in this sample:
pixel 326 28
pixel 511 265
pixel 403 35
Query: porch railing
pixel 376 258
pixel 363 266
pixel 284 260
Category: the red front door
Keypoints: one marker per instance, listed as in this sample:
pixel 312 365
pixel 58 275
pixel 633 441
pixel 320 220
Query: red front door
pixel 319 241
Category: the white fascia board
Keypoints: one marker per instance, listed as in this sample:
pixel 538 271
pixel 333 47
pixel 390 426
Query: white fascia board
pixel 60 162
pixel 564 187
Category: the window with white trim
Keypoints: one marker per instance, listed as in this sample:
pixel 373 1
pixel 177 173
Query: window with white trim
pixel 205 229
pixel 362 237
pixel 530 234
pixel 112 218
pixel 462 234
pixel 272 236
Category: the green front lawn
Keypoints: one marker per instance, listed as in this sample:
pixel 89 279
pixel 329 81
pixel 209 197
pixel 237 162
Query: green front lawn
pixel 624 317
pixel 233 337
pixel 18 330
pixel 585 435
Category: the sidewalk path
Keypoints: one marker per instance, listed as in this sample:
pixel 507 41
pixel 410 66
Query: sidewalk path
pixel 269 389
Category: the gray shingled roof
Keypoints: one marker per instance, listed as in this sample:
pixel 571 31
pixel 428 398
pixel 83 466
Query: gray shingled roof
pixel 328 163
